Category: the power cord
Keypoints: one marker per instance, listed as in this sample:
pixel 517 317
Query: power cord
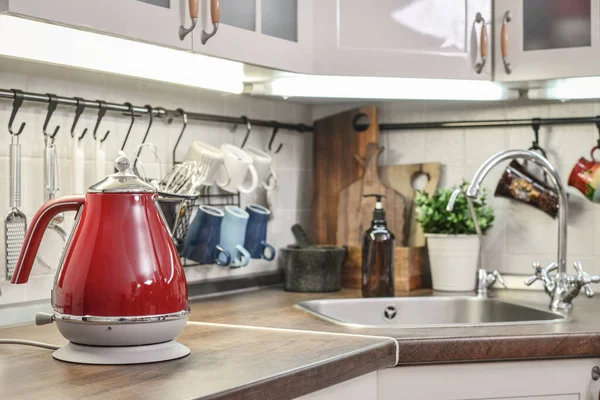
pixel 30 343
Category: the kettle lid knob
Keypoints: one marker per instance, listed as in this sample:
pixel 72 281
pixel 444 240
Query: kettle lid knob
pixel 122 162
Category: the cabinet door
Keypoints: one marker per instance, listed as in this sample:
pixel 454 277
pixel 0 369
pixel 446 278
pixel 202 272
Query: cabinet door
pixel 154 21
pixel 401 38
pixel 546 39
pixel 552 379
pixel 270 33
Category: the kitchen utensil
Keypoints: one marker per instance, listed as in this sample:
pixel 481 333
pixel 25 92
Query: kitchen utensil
pixel 15 222
pixel 77 165
pixel 54 244
pixel 263 163
pixel 213 156
pixel 233 235
pixel 585 177
pixel 238 163
pixel 301 237
pixel 517 184
pixel 311 268
pixel 402 178
pixel 355 211
pixel 256 233
pixel 120 282
pixel 335 143
pixel 202 241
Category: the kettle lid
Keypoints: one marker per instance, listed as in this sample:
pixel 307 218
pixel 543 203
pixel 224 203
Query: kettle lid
pixel 123 181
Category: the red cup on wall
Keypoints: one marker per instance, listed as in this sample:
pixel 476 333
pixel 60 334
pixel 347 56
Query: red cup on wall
pixel 585 177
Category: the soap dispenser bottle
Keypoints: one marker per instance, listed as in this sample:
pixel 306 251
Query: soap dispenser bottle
pixel 378 266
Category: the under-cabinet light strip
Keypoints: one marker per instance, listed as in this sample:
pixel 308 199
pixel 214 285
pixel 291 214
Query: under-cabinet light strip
pixel 355 87
pixel 59 45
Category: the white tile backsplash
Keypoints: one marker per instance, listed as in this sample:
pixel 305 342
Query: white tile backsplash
pixel 293 163
pixel 520 234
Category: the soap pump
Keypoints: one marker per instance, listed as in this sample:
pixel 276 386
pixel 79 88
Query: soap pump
pixel 378 266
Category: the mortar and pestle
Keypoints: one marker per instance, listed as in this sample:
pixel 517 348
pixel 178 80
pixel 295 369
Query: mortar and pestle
pixel 311 268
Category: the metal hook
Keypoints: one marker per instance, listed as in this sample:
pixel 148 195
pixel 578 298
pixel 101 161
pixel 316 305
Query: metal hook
pixel 598 127
pixel 535 125
pixel 185 122
pixel 151 120
pixel 275 130
pixel 52 104
pixel 101 113
pixel 248 129
pixel 17 102
pixel 78 111
pixel 132 114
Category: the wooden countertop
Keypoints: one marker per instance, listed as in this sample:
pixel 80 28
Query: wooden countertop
pixel 226 362
pixel 273 308
pixel 254 345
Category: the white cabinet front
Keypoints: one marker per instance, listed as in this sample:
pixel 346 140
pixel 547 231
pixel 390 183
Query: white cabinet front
pixel 401 38
pixel 270 33
pixel 542 39
pixel 153 21
pixel 552 379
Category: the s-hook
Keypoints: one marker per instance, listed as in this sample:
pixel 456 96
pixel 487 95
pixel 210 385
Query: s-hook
pixel 131 113
pixel 598 127
pixel 78 111
pixel 535 125
pixel 101 113
pixel 248 129
pixel 275 130
pixel 52 104
pixel 150 121
pixel 185 122
pixel 17 103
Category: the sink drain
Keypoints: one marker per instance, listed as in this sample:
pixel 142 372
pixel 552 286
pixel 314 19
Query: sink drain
pixel 390 312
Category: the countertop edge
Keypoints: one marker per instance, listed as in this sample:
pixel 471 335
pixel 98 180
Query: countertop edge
pixel 311 378
pixel 497 348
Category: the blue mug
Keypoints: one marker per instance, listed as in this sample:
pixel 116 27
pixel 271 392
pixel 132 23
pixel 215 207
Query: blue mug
pixel 233 232
pixel 202 240
pixel 256 233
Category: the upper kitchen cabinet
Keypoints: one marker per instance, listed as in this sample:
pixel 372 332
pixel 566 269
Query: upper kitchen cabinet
pixel 543 39
pixel 270 33
pixel 403 38
pixel 153 21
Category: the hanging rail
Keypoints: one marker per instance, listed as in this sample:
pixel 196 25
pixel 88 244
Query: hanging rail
pixel 158 112
pixel 490 123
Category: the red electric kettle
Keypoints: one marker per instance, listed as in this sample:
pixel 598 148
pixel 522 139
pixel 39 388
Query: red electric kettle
pixel 120 281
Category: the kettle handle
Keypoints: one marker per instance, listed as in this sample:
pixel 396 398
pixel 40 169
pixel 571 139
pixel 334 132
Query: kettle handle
pixel 36 231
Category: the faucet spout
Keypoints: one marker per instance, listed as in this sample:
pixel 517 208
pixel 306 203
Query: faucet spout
pixel 475 187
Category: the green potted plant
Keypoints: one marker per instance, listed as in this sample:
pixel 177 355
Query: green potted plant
pixel 452 242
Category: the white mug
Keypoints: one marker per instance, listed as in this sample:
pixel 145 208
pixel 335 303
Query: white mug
pixel 204 153
pixel 237 163
pixel 263 163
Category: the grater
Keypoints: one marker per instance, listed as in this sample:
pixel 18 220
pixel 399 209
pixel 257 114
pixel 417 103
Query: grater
pixel 15 222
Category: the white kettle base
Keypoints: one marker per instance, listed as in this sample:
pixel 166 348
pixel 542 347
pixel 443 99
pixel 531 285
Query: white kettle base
pixel 103 355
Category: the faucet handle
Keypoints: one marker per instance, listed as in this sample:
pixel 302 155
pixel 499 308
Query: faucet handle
pixel 541 274
pixel 494 277
pixel 583 279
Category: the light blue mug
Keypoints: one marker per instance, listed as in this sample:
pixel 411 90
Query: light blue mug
pixel 233 235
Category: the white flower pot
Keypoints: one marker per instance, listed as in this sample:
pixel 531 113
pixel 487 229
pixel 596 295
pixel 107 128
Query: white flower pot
pixel 453 261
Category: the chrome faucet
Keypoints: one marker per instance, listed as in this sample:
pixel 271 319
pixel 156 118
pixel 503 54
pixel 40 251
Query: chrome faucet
pixel 485 280
pixel 561 287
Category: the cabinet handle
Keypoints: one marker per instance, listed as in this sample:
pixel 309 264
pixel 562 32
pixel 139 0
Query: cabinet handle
pixel 504 42
pixel 483 43
pixel 215 16
pixel 193 5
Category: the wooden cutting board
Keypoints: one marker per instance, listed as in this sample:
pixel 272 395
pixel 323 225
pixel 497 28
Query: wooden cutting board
pixel 400 178
pixel 355 212
pixel 334 146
